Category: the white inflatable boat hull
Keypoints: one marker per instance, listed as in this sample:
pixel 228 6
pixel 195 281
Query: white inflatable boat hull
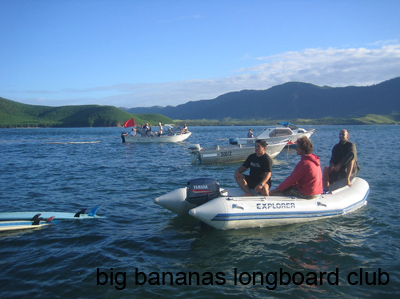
pixel 232 211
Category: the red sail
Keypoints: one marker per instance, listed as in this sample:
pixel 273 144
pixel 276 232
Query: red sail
pixel 129 123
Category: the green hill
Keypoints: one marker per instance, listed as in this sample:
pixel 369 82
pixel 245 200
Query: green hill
pixel 13 114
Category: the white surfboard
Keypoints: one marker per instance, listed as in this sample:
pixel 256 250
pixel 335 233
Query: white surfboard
pixel 6 216
pixel 17 225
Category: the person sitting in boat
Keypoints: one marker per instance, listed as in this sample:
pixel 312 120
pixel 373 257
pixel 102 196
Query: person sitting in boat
pixel 343 162
pixel 160 129
pixel 306 179
pixel 170 133
pixel 185 129
pixel 133 133
pixel 260 165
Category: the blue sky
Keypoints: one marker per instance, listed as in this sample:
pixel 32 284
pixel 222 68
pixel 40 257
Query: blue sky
pixel 131 53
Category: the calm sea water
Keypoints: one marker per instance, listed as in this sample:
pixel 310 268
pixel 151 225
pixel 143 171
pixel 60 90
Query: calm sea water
pixel 40 171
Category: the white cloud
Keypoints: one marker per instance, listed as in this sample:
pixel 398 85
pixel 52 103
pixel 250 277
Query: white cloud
pixel 332 67
pixel 335 67
pixel 385 42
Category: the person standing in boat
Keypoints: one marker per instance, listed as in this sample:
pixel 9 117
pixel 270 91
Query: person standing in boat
pixel 343 162
pixel 160 129
pixel 185 129
pixel 250 135
pixel 306 179
pixel 260 165
pixel 147 129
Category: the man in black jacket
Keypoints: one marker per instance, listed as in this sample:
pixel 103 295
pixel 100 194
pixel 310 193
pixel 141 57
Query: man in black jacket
pixel 343 163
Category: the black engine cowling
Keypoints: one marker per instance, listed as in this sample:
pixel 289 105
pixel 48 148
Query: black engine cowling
pixel 234 141
pixel 200 191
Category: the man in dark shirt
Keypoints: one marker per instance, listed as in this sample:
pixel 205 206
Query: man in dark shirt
pixel 343 163
pixel 260 165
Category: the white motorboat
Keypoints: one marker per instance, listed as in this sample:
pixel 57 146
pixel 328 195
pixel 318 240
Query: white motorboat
pixel 171 134
pixel 228 209
pixel 287 131
pixel 155 138
pixel 229 153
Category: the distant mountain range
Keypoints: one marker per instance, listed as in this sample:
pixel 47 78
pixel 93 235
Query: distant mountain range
pixel 292 100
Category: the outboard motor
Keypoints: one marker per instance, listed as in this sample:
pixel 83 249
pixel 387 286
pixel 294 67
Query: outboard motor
pixel 123 137
pixel 233 140
pixel 194 147
pixel 200 191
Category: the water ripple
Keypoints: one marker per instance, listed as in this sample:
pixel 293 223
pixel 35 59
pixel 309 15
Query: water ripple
pixel 40 170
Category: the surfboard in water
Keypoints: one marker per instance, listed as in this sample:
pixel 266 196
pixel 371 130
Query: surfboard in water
pixel 6 216
pixel 19 224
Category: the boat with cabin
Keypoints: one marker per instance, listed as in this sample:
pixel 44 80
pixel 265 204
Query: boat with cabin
pixel 287 131
pixel 230 153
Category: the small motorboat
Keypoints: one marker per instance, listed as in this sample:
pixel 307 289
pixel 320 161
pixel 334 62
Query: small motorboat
pixel 227 209
pixel 287 131
pixel 171 134
pixel 230 153
pixel 155 138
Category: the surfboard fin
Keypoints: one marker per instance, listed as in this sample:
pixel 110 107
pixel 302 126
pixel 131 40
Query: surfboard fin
pixel 37 220
pixel 80 212
pixel 34 218
pixel 93 211
pixel 50 219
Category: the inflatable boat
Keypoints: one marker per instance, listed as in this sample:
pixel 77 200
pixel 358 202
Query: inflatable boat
pixel 228 209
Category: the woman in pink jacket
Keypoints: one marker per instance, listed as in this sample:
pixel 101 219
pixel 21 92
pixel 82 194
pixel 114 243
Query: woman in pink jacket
pixel 306 178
